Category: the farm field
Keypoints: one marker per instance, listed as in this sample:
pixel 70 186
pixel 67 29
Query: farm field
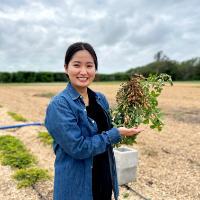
pixel 169 161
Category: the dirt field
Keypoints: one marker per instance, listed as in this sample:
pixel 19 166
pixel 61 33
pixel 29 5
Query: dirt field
pixel 169 162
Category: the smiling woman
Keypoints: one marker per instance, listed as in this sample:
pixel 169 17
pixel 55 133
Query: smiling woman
pixel 81 71
pixel 79 121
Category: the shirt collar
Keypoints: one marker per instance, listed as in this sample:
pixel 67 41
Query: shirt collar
pixel 75 95
pixel 72 92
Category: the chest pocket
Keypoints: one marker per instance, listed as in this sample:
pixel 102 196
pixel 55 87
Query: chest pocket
pixel 87 125
pixel 93 125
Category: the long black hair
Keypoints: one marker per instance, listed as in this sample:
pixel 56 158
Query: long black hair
pixel 73 48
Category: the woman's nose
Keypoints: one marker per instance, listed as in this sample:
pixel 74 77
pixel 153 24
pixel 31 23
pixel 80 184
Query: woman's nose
pixel 83 70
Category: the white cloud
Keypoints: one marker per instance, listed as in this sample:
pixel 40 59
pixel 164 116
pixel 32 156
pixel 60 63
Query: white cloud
pixel 34 35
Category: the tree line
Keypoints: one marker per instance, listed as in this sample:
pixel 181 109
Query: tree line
pixel 179 71
pixel 184 71
pixel 31 77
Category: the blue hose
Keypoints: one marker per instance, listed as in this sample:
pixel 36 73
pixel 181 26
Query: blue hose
pixel 21 125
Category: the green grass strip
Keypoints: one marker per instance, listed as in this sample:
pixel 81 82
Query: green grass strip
pixel 17 117
pixel 18 160
pixel 28 177
pixel 14 153
pixel 45 137
pixel 46 95
pixel 10 143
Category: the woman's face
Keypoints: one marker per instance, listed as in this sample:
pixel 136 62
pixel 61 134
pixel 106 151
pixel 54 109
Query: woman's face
pixel 81 69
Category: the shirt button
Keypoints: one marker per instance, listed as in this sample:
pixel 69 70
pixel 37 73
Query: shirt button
pixel 93 121
pixel 85 110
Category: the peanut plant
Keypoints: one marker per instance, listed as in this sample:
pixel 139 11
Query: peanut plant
pixel 137 103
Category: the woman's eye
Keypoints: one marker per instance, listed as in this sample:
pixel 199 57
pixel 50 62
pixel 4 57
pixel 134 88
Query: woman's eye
pixel 76 65
pixel 90 66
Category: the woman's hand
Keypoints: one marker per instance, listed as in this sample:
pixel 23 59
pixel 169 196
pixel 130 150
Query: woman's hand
pixel 130 131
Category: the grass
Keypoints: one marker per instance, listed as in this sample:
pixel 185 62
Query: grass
pixel 14 153
pixel 45 137
pixel 46 95
pixel 125 195
pixel 28 177
pixel 9 144
pixel 18 160
pixel 17 117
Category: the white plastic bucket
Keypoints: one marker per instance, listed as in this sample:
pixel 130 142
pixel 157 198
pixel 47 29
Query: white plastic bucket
pixel 126 163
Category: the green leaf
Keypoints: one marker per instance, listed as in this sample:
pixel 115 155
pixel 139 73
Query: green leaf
pixel 146 121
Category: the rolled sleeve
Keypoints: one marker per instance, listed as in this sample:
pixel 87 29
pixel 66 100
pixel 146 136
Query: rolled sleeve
pixel 113 135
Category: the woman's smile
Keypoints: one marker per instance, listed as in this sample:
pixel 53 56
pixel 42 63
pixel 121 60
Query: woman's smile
pixel 81 70
pixel 82 79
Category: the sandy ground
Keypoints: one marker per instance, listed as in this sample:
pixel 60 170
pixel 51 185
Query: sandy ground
pixel 169 162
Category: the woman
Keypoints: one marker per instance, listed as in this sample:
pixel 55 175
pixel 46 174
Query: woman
pixel 78 120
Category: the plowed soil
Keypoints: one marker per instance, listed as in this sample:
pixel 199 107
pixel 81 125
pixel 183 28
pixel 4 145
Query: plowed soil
pixel 169 161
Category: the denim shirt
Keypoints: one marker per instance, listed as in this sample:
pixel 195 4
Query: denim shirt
pixel 76 141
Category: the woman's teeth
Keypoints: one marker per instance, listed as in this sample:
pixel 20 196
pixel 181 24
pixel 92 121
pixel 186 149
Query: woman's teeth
pixel 82 78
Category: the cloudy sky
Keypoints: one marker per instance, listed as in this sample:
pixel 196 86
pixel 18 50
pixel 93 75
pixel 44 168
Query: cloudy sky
pixel 34 35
